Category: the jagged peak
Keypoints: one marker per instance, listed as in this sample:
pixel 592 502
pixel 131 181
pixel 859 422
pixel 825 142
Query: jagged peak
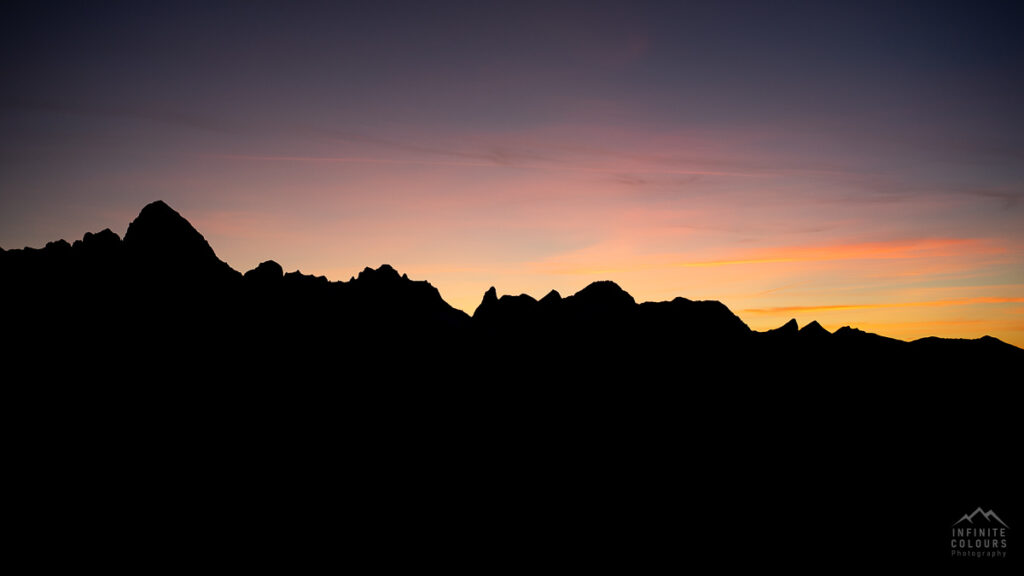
pixel 298 276
pixel 489 301
pixel 158 225
pixel 551 297
pixel 383 272
pixel 57 245
pixel 104 240
pixel 105 235
pixel 788 329
pixel 164 244
pixel 814 329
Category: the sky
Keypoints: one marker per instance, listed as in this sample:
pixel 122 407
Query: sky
pixel 856 163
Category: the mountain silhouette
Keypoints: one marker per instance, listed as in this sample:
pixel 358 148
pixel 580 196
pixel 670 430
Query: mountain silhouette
pixel 147 369
pixel 164 247
pixel 787 330
pixel 268 273
pixel 164 280
pixel 814 331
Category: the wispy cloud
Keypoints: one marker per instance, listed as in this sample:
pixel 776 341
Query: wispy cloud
pixel 1008 198
pixel 485 162
pixel 501 155
pixel 344 160
pixel 920 304
pixel 922 248
pixel 891 250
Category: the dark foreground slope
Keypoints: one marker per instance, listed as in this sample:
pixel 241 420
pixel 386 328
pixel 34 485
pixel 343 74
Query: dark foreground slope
pixel 145 379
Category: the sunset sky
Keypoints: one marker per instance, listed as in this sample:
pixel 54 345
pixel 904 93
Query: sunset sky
pixel 856 163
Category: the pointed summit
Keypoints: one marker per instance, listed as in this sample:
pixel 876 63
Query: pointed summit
pixel 160 230
pixel 164 243
pixel 159 207
pixel 814 330
pixel 788 329
pixel 490 296
pixel 488 306
pixel 551 298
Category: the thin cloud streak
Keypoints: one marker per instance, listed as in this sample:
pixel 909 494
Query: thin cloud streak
pixel 345 160
pixel 893 250
pixel 922 248
pixel 923 304
pixel 494 164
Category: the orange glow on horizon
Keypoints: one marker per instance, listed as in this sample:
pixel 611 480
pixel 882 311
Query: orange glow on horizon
pixel 835 307
pixel 705 216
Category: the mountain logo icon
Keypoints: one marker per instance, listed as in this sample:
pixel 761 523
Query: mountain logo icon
pixel 990 515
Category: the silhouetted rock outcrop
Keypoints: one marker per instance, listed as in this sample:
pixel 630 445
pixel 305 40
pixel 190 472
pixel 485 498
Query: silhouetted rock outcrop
pixel 267 273
pixel 102 242
pixel 487 305
pixel 384 299
pixel 515 316
pixel 550 298
pixel 789 329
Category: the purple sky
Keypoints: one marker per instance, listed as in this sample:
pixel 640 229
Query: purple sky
pixel 857 163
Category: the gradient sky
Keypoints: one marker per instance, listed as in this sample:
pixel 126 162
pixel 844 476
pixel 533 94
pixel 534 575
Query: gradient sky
pixel 855 163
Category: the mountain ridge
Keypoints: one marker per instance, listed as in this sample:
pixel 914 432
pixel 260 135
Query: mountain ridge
pixel 180 379
pixel 163 254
